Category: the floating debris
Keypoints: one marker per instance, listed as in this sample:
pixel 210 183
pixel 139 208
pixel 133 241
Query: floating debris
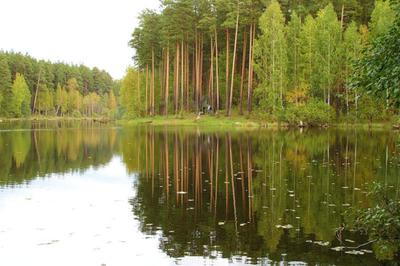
pixel 322 243
pixel 288 226
pixel 367 251
pixel 340 248
pixel 221 223
pixel 349 240
pixel 355 252
pixel 181 192
pixel 243 224
pixel 346 205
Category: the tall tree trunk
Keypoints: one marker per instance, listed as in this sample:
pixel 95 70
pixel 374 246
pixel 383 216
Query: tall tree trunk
pixel 147 85
pixel 233 65
pixel 152 81
pixel 250 76
pixel 227 71
pixel 216 68
pixel 201 68
pixel 212 74
pixel 197 74
pixel 243 71
pixel 182 72
pixel 138 91
pixel 167 83
pixel 176 87
pixel 37 91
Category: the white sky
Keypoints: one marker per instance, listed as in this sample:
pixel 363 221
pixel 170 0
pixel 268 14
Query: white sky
pixel 92 32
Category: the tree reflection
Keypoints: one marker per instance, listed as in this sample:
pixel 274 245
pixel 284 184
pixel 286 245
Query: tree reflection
pixel 32 150
pixel 230 193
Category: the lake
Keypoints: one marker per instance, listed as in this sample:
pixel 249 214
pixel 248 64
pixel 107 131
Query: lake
pixel 92 194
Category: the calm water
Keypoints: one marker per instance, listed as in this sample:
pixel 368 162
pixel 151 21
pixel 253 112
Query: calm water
pixel 89 194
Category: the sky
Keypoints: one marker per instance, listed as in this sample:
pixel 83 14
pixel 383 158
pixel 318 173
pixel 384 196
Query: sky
pixel 90 32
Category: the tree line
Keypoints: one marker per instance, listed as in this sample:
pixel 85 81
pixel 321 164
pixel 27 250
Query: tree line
pixel 284 59
pixel 29 86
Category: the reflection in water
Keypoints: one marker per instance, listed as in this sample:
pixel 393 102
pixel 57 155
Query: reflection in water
pixel 256 196
pixel 27 154
pixel 275 195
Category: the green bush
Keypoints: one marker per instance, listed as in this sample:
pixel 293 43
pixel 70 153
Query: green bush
pixel 76 114
pixel 313 113
pixel 381 222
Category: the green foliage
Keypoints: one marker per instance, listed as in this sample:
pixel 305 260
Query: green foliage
pixel 381 222
pixel 131 98
pixel 44 86
pixel 378 72
pixel 371 109
pixel 271 58
pixel 5 89
pixel 382 18
pixel 314 113
pixel 20 101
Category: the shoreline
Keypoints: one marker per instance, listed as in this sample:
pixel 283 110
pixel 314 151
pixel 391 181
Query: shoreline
pixel 235 122
pixel 243 123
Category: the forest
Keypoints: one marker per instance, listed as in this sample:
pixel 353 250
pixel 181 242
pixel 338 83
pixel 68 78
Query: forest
pixel 277 60
pixel 37 87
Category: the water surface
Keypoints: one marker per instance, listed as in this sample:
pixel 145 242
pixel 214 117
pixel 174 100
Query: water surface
pixel 90 194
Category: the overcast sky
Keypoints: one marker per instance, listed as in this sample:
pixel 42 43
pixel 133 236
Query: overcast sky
pixel 92 32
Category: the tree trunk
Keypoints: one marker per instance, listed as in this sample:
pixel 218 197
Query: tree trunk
pixel 36 92
pixel 216 68
pixel 167 83
pixel 250 76
pixel 212 73
pixel 152 81
pixel 147 85
pixel 227 71
pixel 182 76
pixel 243 72
pixel 233 65
pixel 138 91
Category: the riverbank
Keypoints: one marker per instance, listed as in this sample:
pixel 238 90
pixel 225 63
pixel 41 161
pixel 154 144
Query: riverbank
pixel 55 119
pixel 240 122
pixel 203 121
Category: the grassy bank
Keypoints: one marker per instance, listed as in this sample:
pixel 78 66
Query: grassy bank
pixel 237 121
pixel 203 121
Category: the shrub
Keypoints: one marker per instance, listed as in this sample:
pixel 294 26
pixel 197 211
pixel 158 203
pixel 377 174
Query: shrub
pixel 381 223
pixel 314 113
